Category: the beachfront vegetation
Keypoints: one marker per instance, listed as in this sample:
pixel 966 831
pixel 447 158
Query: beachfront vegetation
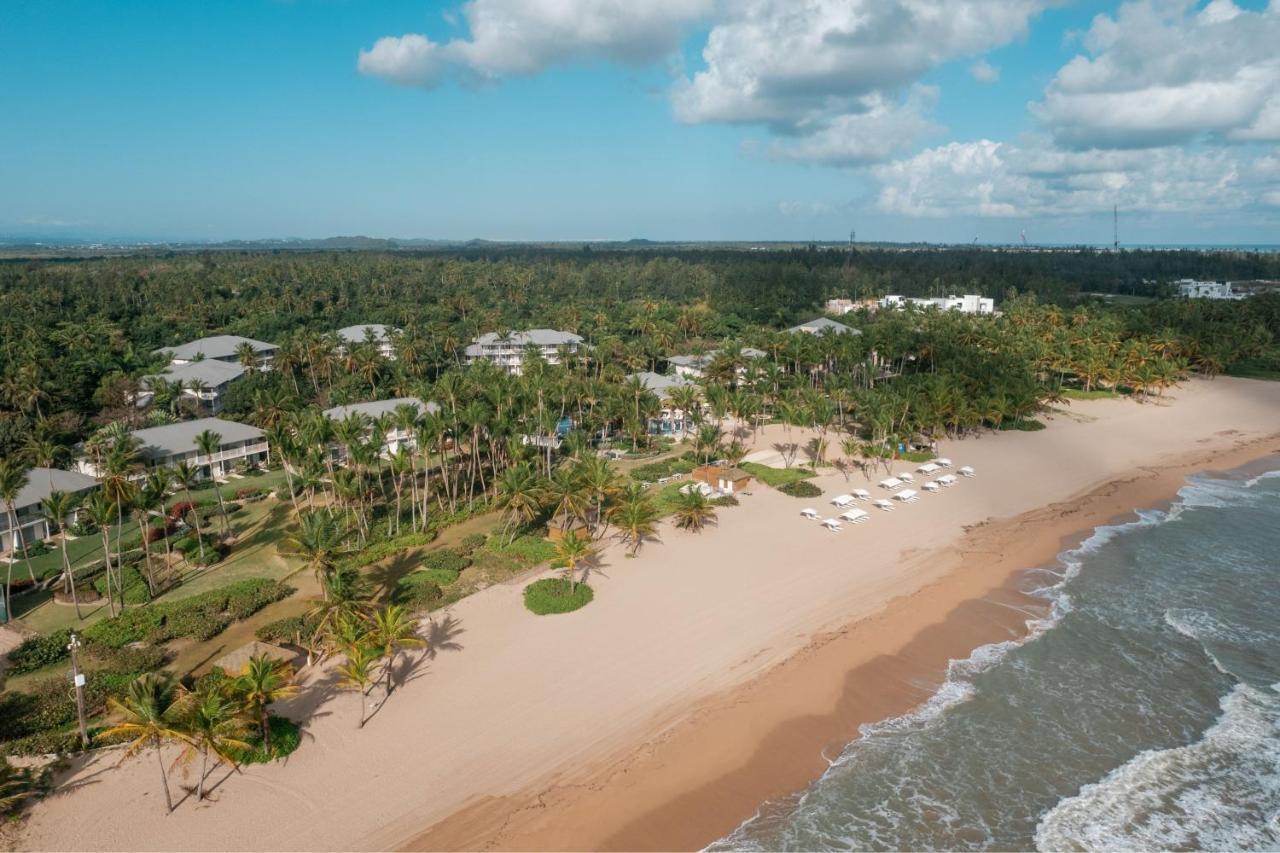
pixel 554 595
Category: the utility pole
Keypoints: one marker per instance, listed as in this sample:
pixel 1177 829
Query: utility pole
pixel 78 679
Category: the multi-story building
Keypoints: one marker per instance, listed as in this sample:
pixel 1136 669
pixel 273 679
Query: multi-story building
pixel 968 304
pixel 32 524
pixel 1190 288
pixel 670 420
pixel 695 366
pixel 166 446
pixel 219 348
pixel 509 350
pixel 394 437
pixel 375 332
pixel 203 382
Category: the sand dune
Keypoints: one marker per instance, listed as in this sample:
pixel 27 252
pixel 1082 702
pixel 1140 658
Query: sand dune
pixel 508 704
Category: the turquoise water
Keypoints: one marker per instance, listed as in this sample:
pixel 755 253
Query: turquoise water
pixel 1143 713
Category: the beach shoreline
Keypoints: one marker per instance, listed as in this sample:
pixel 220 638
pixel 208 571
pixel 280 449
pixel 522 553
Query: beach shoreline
pixel 708 675
pixel 657 795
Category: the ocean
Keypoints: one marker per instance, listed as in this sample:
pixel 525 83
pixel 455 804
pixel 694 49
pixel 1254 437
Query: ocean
pixel 1142 713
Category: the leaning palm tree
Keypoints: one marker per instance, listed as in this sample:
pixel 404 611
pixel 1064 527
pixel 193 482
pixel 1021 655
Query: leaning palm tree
pixel 208 442
pixel 57 507
pixel 357 673
pixel 215 724
pixel 262 682
pixel 571 550
pixel 150 715
pixel 393 629
pixel 318 540
pixel 101 511
pixel 13 479
pixel 185 476
pixel 693 511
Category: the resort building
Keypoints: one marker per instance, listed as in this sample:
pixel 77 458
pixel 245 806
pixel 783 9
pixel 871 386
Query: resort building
pixel 372 332
pixel 166 446
pixel 394 437
pixel 670 420
pixel 1189 288
pixel 509 350
pixel 840 307
pixel 722 478
pixel 32 526
pixel 219 348
pixel 695 366
pixel 968 304
pixel 823 326
pixel 203 382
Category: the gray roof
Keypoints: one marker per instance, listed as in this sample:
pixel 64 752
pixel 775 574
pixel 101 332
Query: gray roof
pixel 211 373
pixel 541 337
pixel 377 408
pixel 356 334
pixel 659 384
pixel 700 362
pixel 171 439
pixel 822 324
pixel 38 488
pixel 218 346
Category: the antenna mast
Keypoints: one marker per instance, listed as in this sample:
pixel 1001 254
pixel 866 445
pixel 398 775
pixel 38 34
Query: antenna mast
pixel 1115 227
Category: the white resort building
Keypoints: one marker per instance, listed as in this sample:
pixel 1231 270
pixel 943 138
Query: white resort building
pixel 219 348
pixel 371 333
pixel 508 351
pixel 670 420
pixel 166 446
pixel 695 366
pixel 1190 288
pixel 204 382
pixel 394 437
pixel 32 525
pixel 821 326
pixel 970 303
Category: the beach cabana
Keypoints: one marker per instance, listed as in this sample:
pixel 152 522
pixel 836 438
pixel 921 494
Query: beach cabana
pixel 927 468
pixel 857 516
pixel 811 514
pixel 947 480
pixel 942 462
pixel 884 505
pixel 930 486
pixel 891 483
pixel 842 500
pixel 906 496
pixel 861 494
pixel 905 476
pixel 831 524
pixel 966 471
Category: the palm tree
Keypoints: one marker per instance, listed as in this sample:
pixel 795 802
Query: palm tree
pixel 208 442
pixel 102 510
pixel 693 511
pixel 571 550
pixel 185 476
pixel 150 715
pixel 214 723
pixel 56 508
pixel 17 784
pixel 598 482
pixel 393 629
pixel 262 682
pixel 357 673
pixel 636 517
pixel 318 540
pixel 13 479
pixel 707 440
pixel 520 494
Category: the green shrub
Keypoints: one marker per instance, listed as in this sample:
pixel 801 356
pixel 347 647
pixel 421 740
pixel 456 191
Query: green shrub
pixel 198 617
pixel 39 651
pixel 725 500
pixel 1022 425
pixel 800 489
pixel 130 660
pixel 386 548
pixel 136 590
pixel 421 590
pixel 473 542
pixel 41 743
pixel 655 471
pixel 291 629
pixel 529 550
pixel 447 559
pixel 552 595
pixel 285 738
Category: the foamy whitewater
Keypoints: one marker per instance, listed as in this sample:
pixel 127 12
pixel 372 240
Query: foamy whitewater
pixel 1143 713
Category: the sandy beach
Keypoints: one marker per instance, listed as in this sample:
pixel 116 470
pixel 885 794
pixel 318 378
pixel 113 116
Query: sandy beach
pixel 710 673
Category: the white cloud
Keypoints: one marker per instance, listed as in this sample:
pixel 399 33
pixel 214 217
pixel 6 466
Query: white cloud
pixel 879 130
pixel 522 37
pixel 1162 72
pixel 984 72
pixel 994 179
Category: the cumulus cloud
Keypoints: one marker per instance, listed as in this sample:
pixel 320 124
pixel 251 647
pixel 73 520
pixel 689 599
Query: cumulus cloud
pixel 520 37
pixel 995 179
pixel 1162 72
pixel 984 72
pixel 880 129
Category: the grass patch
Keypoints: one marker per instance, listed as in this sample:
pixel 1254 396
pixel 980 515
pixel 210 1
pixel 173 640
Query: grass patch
pixel 1256 368
pixel 285 738
pixel 776 477
pixel 528 549
pixel 916 455
pixel 1095 394
pixel 552 595
pixel 654 471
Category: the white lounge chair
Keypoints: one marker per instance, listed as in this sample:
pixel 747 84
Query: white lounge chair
pixel 927 468
pixel 942 462
pixel 966 471
pixel 811 514
pixel 855 516
pixel 884 505
pixel 831 524
pixel 947 480
pixel 890 484
pixel 906 496
pixel 930 486
pixel 842 500
pixel 861 494
pixel 905 476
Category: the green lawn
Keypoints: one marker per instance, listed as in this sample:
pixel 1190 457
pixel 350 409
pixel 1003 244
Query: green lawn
pixel 776 476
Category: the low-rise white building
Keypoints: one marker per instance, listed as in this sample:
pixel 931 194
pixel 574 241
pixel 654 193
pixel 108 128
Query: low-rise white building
pixel 1190 288
pixel 203 382
pixel 970 303
pixel 32 524
pixel 508 351
pixel 376 333
pixel 670 420
pixel 823 326
pixel 219 348
pixel 166 446
pixel 695 366
pixel 395 437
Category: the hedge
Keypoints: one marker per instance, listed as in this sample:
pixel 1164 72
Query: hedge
pixel 199 617
pixel 552 595
pixel 800 489
pixel 291 629
pixel 421 590
pixel 39 651
pixel 446 559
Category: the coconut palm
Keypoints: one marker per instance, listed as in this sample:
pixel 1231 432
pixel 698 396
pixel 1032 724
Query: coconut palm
pixel 56 508
pixel 13 479
pixel 358 673
pixel 318 540
pixel 17 784
pixel 391 629
pixel 572 549
pixel 636 517
pixel 185 475
pixel 215 724
pixel 262 682
pixel 101 510
pixel 520 495
pixel 693 511
pixel 150 715
pixel 209 442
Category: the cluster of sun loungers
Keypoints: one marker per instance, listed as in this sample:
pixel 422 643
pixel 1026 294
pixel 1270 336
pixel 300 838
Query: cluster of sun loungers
pixel 899 494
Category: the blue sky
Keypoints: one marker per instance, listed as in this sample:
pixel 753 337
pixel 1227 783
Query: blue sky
pixel 688 119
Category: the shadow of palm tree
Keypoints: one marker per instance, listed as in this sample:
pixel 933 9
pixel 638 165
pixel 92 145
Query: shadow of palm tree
pixel 440 636
pixel 387 574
